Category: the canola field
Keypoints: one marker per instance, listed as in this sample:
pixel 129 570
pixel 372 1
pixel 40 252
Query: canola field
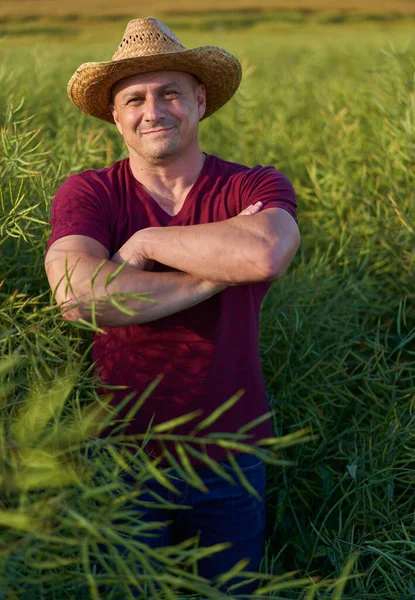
pixel 328 98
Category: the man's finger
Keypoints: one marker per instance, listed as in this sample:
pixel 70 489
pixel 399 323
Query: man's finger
pixel 252 209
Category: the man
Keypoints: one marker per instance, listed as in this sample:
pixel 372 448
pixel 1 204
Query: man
pixel 205 237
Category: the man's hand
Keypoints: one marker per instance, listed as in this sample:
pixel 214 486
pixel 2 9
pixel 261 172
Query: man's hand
pixel 252 209
pixel 134 254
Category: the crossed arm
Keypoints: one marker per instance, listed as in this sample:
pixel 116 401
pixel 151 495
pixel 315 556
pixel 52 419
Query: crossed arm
pixel 254 246
pixel 237 251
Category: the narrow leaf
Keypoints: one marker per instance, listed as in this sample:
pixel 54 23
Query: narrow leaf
pixel 242 477
pixel 212 464
pixel 173 423
pixel 219 411
pixel 194 479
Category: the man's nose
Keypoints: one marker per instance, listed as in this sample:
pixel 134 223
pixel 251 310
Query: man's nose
pixel 153 109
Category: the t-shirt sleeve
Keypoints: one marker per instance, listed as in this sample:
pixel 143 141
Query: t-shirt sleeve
pixel 269 186
pixel 80 208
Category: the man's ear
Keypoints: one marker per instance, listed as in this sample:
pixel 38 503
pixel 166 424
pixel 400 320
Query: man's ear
pixel 201 99
pixel 115 117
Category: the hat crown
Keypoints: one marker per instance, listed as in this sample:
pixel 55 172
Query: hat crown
pixel 146 37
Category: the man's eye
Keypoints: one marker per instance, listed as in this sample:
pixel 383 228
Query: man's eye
pixel 170 94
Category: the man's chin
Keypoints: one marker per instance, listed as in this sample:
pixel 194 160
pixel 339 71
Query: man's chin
pixel 160 153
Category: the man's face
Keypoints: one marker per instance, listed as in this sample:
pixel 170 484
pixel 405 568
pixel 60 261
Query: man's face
pixel 158 113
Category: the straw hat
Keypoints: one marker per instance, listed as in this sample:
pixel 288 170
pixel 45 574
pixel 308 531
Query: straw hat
pixel 149 45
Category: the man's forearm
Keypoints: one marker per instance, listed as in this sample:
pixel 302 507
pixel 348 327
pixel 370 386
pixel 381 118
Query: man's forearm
pixel 232 252
pixel 169 293
pixel 225 252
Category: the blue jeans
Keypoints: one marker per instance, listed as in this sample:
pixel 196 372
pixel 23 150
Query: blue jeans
pixel 227 513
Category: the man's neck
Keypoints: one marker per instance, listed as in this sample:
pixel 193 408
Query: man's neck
pixel 169 181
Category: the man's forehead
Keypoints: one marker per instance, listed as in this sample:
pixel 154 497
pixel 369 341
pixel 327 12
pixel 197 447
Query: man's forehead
pixel 154 77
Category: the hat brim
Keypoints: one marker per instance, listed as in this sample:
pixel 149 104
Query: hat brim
pixel 89 87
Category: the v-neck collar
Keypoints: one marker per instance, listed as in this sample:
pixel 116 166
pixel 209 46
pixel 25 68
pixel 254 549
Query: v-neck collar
pixel 166 217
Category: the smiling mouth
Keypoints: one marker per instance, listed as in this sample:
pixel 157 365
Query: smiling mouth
pixel 158 130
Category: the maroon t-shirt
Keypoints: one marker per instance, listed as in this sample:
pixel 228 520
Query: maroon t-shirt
pixel 206 353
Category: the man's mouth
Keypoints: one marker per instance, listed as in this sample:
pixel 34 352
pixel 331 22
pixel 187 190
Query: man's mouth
pixel 161 130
